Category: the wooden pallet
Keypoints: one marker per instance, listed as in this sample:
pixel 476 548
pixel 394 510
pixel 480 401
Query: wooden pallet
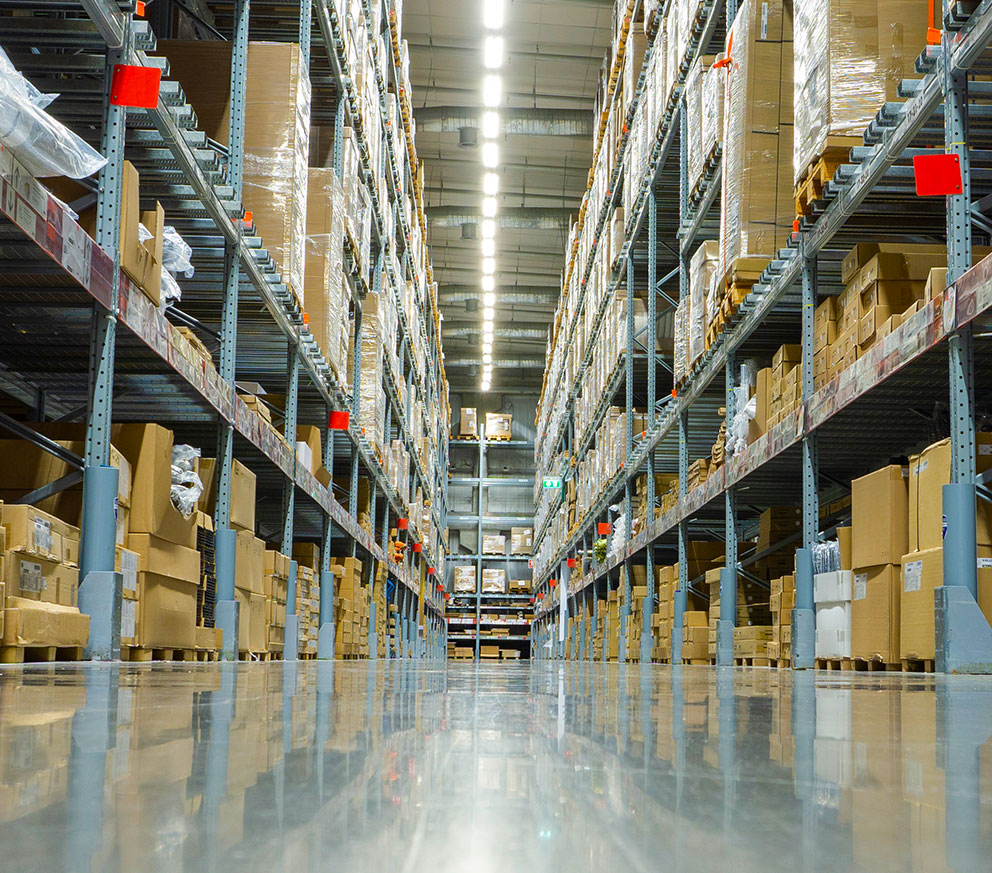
pixel 141 654
pixel 39 654
pixel 465 439
pixel 259 656
pixel 820 171
pixel 206 655
pixel 782 663
pixel 697 662
pixel 917 665
pixel 502 438
pixel 753 661
pixel 873 665
pixel 833 664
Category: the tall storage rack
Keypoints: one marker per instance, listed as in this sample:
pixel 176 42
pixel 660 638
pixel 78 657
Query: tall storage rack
pixel 80 341
pixel 866 413
pixel 469 616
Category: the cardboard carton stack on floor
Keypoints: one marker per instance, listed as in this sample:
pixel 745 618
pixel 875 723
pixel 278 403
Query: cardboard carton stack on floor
pixel 695 636
pixel 249 591
pixel 379 598
pixel 781 604
pixel 751 641
pixel 776 524
pixel 666 578
pixel 635 621
pixel 752 604
pixel 613 625
pixel 351 609
pixel 600 633
pixel 308 609
pixel 832 592
pixel 274 584
pixel 468 422
pixel 40 587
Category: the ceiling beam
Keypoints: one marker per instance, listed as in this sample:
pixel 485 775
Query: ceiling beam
pixel 520 217
pixel 518 363
pixel 522 122
pixel 462 331
pixel 539 294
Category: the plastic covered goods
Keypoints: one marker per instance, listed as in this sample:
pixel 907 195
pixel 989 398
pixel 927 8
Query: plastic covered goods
pixel 714 86
pixel 850 56
pixel 745 407
pixel 493 581
pixel 372 397
pixel 681 344
pixel 694 119
pixel 43 145
pixel 176 253
pixel 186 485
pixel 757 206
pixel 326 291
pixel 826 557
pixel 702 267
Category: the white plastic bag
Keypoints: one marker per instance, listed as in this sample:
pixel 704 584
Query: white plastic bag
pixel 186 485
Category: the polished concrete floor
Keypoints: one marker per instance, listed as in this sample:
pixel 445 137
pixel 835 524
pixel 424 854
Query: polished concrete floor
pixel 421 768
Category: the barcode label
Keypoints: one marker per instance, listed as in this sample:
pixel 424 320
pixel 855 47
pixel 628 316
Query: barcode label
pixel 913 576
pixel 30 577
pixel 42 534
pixel 860 586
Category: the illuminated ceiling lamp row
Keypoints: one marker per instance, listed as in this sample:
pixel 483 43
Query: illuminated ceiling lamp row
pixel 492 95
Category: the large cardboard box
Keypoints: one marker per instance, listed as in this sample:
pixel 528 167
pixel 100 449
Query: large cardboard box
pixel 498 425
pixel 880 517
pixel 928 473
pixel 33 532
pixel 148 449
pixel 34 578
pixel 242 493
pixel 163 558
pixel 468 422
pixel 921 573
pixel 249 562
pixel 167 616
pixel 30 623
pixel 276 137
pixel 875 613
pixel 252 627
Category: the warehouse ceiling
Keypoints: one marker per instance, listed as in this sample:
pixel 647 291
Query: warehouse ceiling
pixel 553 52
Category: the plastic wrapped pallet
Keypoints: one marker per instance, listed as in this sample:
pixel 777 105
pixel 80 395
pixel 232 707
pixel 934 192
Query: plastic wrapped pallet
pixel 498 425
pixel 714 87
pixel 325 291
pixel 702 267
pixel 493 581
pixel 521 540
pixel 464 580
pixel 493 544
pixel 694 111
pixel 850 56
pixel 757 208
pixel 681 352
pixel 372 398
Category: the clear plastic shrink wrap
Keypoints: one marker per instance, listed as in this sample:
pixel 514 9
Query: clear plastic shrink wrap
pixel 372 397
pixel 702 267
pixel 44 146
pixel 714 86
pixel 850 56
pixel 757 207
pixel 681 352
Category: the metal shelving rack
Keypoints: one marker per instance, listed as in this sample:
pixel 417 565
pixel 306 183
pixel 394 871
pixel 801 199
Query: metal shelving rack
pixel 468 611
pixel 112 355
pixel 864 415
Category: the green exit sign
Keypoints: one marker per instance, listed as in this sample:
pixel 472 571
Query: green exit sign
pixel 551 483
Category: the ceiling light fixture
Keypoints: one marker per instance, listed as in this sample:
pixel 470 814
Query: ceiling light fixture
pixel 490 184
pixel 487 359
pixel 488 248
pixel 488 229
pixel 492 52
pixel 489 207
pixel 488 266
pixel 490 155
pixel 488 283
pixel 490 125
pixel 489 299
pixel 487 348
pixel 492 14
pixel 485 385
pixel 489 313
pixel 492 90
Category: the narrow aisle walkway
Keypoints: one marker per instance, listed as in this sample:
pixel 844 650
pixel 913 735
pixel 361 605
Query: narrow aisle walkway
pixel 426 768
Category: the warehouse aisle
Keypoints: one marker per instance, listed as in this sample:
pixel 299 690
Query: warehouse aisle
pixel 414 767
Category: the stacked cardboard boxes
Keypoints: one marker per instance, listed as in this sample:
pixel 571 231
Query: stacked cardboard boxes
pixel 781 604
pixel 695 637
pixel 275 583
pixel 351 609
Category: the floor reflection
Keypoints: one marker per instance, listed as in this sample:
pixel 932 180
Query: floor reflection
pixel 429 768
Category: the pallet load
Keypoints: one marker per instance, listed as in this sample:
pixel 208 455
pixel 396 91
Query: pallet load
pixel 695 637
pixel 521 540
pixel 661 621
pixel 781 604
pixel 493 581
pixel 463 579
pixel 757 208
pixel 850 57
pixel 751 644
pixel 41 619
pixel 308 598
pixel 468 423
pixel 489 653
pixel 249 592
pixel 613 606
pixel 498 425
pixel 351 610
pixel 379 599
pixel 275 584
pixel 493 544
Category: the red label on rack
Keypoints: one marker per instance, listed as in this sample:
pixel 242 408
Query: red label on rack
pixel 135 86
pixel 571 562
pixel 430 571
pixel 417 548
pixel 552 583
pixel 339 420
pixel 937 175
pixel 603 528
pixel 402 524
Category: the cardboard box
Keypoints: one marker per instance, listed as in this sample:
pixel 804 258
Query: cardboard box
pixel 880 517
pixel 32 532
pixel 875 620
pixel 468 424
pixel 30 623
pixel 148 449
pixel 498 425
pixel 928 473
pixel 936 283
pixel 163 558
pixel 142 261
pixel 844 543
pixel 32 578
pixel 167 617
pixel 243 485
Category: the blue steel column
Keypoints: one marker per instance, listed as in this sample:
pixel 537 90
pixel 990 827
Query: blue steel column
pixel 728 575
pixel 962 634
pixel 681 589
pixel 100 586
pixel 628 449
pixel 647 635
pixel 226 614
pixel 292 634
pixel 803 616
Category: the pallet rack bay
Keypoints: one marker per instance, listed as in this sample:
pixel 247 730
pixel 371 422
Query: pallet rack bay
pixel 82 343
pixel 880 407
pixel 472 617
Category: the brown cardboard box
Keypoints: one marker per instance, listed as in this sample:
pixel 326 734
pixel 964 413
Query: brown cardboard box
pixel 922 572
pixel 880 517
pixel 142 261
pixel 167 617
pixel 163 558
pixel 242 493
pixel 148 448
pixel 30 623
pixel 875 618
pixel 33 532
pixel 307 433
pixel 936 283
pixel 862 253
pixel 498 424
pixel 468 424
pixel 928 473
pixel 762 389
pixel 844 541
pixel 33 578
